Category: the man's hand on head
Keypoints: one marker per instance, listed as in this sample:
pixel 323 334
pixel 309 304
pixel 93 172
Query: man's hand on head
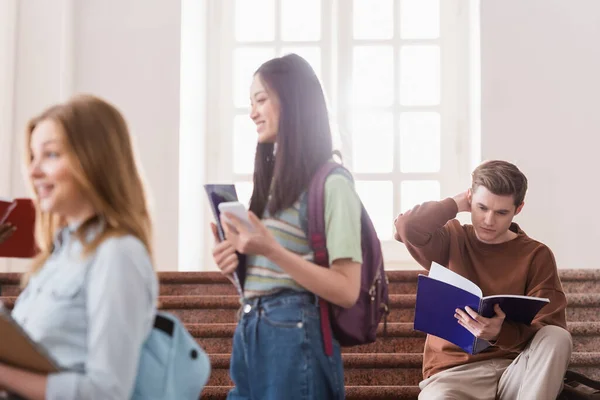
pixel 463 202
pixel 481 327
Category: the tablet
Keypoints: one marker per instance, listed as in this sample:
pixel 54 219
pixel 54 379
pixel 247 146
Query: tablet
pixel 223 193
pixel 19 350
pixel 217 194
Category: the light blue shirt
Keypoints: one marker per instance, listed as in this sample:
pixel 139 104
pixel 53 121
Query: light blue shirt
pixel 92 315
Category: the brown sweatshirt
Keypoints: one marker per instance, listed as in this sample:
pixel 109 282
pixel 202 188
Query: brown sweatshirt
pixel 521 266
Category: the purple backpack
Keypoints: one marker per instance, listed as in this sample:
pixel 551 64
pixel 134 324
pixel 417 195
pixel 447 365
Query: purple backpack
pixel 358 324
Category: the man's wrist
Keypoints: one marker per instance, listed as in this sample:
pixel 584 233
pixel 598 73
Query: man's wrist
pixel 494 339
pixel 3 369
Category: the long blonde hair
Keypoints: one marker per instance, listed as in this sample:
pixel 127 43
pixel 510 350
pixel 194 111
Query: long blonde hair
pixel 103 164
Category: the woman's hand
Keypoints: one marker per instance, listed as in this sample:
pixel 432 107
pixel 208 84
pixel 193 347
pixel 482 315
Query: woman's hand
pixel 224 254
pixel 257 241
pixel 6 231
pixel 25 384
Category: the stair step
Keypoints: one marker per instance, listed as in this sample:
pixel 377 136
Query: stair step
pixel 577 278
pixel 401 282
pixel 359 369
pixel 195 283
pixel 581 308
pixel 400 338
pixel 208 304
pixel 202 309
pixel 223 309
pixel 390 369
pixel 398 302
pixel 352 392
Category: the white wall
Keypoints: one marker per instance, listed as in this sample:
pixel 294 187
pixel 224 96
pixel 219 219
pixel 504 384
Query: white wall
pixel 8 34
pixel 125 51
pixel 540 109
pixel 540 88
pixel 193 135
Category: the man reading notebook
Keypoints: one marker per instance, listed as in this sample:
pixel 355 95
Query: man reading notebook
pixel 525 361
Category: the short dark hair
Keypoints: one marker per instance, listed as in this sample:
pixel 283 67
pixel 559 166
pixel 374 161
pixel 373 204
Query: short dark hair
pixel 501 178
pixel 304 141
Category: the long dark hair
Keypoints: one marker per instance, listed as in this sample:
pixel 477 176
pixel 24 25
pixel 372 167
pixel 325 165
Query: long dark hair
pixel 303 141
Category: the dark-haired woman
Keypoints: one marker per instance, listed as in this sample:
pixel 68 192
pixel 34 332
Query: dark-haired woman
pixel 278 350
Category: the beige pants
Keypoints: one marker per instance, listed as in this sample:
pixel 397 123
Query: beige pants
pixel 536 374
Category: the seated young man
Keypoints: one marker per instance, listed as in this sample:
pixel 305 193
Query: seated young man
pixel 526 362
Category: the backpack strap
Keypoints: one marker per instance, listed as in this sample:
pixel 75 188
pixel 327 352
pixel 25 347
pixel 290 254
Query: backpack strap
pixel 318 239
pixel 164 324
pixel 572 376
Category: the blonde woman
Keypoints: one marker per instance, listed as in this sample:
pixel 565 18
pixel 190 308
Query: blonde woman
pixel 90 296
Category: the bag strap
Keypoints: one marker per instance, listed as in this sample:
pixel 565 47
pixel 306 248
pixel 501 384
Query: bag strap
pixel 164 324
pixel 577 377
pixel 318 239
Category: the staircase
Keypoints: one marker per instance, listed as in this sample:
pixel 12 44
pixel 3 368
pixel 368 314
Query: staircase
pixel 387 369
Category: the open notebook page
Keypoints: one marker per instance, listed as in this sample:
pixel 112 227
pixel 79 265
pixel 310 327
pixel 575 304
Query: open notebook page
pixel 443 274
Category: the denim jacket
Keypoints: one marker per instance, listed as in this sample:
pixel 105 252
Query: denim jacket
pixel 92 315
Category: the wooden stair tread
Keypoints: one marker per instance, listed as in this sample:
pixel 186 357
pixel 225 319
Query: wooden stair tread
pixel 394 329
pixel 233 302
pixel 402 360
pixel 202 277
pixel 388 369
pixel 352 392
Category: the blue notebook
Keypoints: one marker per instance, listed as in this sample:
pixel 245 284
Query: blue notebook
pixel 443 291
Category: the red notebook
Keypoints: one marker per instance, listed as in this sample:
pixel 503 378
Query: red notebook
pixel 19 213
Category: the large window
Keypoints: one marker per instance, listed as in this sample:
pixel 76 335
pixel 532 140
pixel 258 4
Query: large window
pixel 394 72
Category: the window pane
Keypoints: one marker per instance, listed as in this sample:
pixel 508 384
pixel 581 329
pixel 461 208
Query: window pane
pixel 246 61
pixel 244 192
pixel 377 198
pixel 420 75
pixel 420 142
pixel 420 19
pixel 373 19
pixel 300 20
pixel 244 144
pixel 372 142
pixel 247 13
pixel 417 192
pixel 373 76
pixel 312 54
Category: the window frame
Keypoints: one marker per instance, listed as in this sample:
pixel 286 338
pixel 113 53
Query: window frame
pixel 336 51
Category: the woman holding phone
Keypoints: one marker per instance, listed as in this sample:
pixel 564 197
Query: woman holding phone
pixel 278 347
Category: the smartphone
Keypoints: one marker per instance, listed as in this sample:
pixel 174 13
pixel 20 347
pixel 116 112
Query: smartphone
pixel 238 210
